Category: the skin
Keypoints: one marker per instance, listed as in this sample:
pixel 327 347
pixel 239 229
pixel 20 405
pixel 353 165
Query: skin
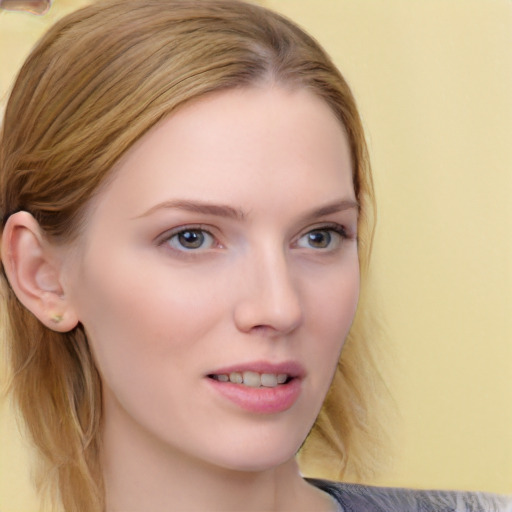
pixel 272 283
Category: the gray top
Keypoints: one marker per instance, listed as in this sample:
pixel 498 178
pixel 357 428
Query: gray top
pixel 363 498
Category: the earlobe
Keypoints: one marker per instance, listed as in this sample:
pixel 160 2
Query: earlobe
pixel 33 270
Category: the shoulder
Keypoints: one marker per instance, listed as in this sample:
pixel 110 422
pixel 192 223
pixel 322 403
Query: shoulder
pixel 357 498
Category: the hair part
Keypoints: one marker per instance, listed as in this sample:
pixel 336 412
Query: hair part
pixel 95 84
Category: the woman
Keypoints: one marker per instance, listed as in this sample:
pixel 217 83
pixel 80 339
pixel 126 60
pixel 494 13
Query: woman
pixel 187 216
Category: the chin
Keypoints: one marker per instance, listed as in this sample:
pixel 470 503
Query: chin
pixel 257 455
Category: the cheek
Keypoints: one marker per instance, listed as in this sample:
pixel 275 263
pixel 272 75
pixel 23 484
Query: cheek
pixel 137 321
pixel 332 307
pixel 333 296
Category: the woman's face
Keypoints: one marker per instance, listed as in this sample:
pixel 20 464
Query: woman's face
pixel 224 249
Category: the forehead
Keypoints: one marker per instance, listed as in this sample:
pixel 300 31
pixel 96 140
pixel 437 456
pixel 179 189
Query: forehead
pixel 236 146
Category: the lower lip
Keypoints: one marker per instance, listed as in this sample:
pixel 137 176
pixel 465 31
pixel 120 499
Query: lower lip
pixel 260 400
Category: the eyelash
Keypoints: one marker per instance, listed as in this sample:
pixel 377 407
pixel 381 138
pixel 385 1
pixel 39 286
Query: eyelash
pixel 338 229
pixel 170 235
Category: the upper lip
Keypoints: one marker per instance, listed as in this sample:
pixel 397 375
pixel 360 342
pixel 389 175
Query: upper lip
pixel 290 368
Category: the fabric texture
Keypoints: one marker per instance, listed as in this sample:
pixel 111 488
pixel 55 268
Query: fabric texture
pixel 363 498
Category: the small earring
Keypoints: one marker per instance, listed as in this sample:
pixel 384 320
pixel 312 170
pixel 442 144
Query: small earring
pixel 56 318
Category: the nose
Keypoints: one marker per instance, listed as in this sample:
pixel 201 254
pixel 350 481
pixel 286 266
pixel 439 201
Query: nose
pixel 268 300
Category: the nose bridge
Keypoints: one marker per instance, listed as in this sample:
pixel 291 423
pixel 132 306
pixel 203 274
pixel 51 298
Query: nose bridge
pixel 271 296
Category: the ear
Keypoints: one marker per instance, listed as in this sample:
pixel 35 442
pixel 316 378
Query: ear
pixel 33 268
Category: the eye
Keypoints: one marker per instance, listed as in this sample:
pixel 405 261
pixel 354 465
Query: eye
pixel 322 238
pixel 190 239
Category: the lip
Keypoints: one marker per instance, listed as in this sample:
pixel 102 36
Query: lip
pixel 260 400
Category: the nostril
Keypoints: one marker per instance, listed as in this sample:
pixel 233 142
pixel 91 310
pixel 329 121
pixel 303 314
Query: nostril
pixel 261 328
pixel 265 320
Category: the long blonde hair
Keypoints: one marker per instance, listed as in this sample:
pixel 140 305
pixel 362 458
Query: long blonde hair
pixel 96 83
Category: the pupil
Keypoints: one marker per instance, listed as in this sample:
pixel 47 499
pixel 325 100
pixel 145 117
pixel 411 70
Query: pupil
pixel 191 239
pixel 320 239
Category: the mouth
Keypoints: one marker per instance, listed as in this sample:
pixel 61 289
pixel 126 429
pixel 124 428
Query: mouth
pixel 259 387
pixel 253 379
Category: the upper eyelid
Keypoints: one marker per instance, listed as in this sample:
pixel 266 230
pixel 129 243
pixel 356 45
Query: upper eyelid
pixel 328 226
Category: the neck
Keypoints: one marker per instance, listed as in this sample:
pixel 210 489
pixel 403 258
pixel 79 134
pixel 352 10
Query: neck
pixel 142 474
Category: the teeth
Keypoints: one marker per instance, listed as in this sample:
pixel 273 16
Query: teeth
pixel 269 380
pixel 253 379
pixel 236 377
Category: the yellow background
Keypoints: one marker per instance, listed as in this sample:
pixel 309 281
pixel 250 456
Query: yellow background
pixel 433 79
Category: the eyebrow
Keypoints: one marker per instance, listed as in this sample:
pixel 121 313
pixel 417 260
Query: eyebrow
pixel 220 210
pixel 335 207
